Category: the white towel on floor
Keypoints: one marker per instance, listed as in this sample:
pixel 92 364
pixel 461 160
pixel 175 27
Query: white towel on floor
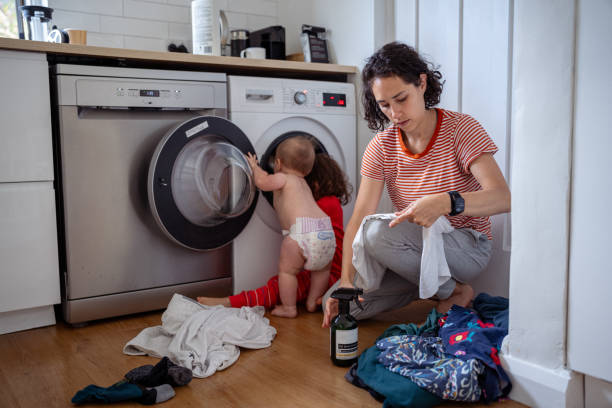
pixel 434 269
pixel 203 338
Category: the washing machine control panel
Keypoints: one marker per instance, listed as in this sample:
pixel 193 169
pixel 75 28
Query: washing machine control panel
pixel 316 100
pixel 120 93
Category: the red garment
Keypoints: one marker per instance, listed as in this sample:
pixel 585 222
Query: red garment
pixel 268 295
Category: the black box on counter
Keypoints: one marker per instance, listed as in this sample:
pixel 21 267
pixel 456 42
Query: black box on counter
pixel 272 39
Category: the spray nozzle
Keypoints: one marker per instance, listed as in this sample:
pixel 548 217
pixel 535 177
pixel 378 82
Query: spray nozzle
pixel 348 294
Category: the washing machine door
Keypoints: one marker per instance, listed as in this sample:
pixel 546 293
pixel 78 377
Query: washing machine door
pixel 200 185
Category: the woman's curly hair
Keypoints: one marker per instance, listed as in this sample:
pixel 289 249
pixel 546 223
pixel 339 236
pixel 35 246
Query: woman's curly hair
pixel 401 60
pixel 327 179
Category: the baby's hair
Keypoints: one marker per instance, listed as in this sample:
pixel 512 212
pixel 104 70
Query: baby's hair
pixel 328 179
pixel 297 153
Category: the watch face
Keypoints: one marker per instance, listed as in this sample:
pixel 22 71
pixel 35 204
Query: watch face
pixel 459 205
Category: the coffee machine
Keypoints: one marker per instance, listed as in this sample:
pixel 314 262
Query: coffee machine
pixel 272 39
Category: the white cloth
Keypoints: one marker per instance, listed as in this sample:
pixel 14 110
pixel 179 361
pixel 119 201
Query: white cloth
pixel 370 272
pixel 434 269
pixel 203 338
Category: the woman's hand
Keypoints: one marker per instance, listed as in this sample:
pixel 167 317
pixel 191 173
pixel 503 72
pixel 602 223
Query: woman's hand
pixel 331 306
pixel 424 211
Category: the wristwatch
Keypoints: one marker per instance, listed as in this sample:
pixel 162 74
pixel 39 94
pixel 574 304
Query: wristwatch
pixel 457 203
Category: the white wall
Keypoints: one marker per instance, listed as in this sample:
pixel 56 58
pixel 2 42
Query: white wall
pixel 541 128
pixel 546 55
pixel 152 24
pixel 590 224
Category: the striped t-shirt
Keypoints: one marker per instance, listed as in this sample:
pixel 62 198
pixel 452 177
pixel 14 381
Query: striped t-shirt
pixel 443 166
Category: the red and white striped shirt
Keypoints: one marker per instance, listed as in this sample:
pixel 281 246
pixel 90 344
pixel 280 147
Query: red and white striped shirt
pixel 443 166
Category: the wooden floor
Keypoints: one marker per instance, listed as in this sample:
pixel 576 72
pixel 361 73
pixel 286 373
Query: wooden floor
pixel 45 367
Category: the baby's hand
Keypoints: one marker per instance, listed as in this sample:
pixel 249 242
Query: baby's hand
pixel 252 159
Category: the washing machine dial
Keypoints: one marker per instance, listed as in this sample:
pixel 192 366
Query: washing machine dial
pixel 300 97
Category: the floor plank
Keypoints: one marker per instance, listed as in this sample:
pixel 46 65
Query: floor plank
pixel 46 366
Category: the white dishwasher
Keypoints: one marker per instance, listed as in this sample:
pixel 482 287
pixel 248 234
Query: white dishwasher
pixel 154 187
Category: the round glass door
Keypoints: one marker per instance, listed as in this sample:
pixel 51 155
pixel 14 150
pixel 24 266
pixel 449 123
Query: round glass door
pixel 212 181
pixel 201 188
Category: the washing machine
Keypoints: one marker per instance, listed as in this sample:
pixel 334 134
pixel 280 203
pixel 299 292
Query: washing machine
pixel 269 110
pixel 153 187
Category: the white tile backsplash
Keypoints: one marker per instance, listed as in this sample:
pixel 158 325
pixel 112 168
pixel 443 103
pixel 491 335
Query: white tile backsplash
pixel 80 21
pixel 105 7
pixel 159 12
pixel 133 26
pixel 257 7
pixel 105 40
pixel 152 24
pixel 186 3
pixel 176 30
pixel 256 22
pixel 142 43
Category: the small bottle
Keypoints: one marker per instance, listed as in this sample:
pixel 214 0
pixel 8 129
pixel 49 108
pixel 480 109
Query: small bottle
pixel 343 331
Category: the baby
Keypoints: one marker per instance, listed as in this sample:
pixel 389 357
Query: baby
pixel 309 240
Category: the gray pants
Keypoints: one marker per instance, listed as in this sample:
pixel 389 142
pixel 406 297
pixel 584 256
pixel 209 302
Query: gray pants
pixel 399 250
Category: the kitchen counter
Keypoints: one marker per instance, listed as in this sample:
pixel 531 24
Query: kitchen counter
pixel 72 53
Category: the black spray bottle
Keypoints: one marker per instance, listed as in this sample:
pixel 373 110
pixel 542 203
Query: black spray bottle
pixel 343 334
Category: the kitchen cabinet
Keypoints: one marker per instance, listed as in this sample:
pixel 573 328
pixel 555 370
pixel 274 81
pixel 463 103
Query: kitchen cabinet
pixel 29 275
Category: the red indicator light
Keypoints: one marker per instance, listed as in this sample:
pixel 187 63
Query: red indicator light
pixel 331 97
pixel 324 102
pixel 340 102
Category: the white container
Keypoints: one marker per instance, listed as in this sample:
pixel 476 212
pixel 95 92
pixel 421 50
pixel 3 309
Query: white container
pixel 205 27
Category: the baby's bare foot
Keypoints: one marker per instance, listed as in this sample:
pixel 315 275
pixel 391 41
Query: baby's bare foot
pixel 285 311
pixel 461 296
pixel 312 305
pixel 212 301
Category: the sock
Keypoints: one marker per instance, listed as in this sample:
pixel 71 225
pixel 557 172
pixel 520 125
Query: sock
pixel 121 391
pixel 164 372
pixel 157 394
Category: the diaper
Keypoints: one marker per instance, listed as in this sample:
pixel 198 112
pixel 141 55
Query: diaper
pixel 315 236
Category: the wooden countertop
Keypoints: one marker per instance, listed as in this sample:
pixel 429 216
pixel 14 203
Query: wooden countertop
pixel 182 60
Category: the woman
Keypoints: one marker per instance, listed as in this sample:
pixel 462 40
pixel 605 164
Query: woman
pixel 434 163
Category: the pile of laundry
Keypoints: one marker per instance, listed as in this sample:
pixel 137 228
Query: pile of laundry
pixel 452 356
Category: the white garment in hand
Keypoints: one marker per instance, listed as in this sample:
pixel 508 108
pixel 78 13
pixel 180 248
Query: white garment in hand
pixel 369 271
pixel 203 338
pixel 434 269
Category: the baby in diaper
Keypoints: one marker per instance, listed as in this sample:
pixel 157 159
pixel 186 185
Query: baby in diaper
pixel 308 240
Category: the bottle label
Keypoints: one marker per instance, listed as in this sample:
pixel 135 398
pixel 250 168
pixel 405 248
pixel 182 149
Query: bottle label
pixel 346 344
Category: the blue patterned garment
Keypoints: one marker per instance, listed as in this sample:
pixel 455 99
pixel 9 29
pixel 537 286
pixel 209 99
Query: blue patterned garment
pixel 467 337
pixel 422 360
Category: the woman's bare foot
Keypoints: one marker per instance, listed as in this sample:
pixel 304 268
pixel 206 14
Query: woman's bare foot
pixel 212 301
pixel 285 311
pixel 461 296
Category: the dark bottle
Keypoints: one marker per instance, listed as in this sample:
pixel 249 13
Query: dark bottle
pixel 343 331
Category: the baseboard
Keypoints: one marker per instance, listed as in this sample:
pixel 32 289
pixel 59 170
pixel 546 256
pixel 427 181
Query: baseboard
pixel 537 386
pixel 18 320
